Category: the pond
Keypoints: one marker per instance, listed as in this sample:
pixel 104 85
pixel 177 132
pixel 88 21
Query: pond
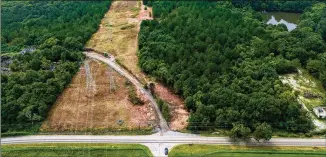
pixel 290 20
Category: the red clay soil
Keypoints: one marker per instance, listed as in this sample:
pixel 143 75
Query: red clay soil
pixel 178 112
pixel 144 14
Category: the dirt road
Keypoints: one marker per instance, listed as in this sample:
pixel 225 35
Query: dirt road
pixel 110 61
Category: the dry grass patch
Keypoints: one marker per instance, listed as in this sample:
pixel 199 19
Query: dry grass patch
pixel 99 106
pixel 118 34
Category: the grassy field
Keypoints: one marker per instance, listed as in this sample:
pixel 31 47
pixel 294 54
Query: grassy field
pixel 244 151
pixel 75 150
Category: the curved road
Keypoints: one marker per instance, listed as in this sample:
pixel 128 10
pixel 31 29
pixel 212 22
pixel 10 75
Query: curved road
pixel 111 62
pixel 157 142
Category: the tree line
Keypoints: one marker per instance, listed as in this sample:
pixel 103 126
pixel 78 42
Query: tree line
pixel 58 30
pixel 297 6
pixel 314 21
pixel 225 61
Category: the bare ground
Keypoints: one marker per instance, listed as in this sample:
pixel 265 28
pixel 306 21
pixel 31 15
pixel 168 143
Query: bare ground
pixel 123 44
pixel 80 108
pixel 179 114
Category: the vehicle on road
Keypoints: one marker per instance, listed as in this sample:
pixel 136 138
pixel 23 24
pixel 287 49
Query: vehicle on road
pixel 166 151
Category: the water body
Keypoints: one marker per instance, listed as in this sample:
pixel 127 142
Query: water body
pixel 290 20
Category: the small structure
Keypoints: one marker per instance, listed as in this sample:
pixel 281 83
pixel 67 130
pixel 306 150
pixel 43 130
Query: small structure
pixel 320 112
pixel 27 50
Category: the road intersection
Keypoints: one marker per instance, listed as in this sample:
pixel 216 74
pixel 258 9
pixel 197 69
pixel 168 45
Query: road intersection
pixel 158 141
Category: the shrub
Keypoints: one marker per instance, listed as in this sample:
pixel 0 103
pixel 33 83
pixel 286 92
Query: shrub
pixel 165 112
pixel 127 26
pixel 263 131
pixel 133 98
pixel 240 131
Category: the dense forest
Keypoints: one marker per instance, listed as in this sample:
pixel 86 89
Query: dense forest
pixel 225 61
pixel 314 21
pixel 298 6
pixel 276 5
pixel 58 31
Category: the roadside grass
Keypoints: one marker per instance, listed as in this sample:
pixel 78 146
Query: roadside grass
pixel 276 133
pixel 95 131
pixel 210 133
pixel 245 151
pixel 75 150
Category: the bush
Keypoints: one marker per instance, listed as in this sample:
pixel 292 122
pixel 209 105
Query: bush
pixel 239 131
pixel 106 54
pixel 160 104
pixel 286 67
pixel 165 112
pixel 164 108
pixel 297 93
pixel 127 26
pixel 263 131
pixel 133 98
pixel 127 83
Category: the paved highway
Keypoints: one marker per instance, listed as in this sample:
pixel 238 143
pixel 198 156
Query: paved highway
pixel 156 139
pixel 111 62
pixel 157 142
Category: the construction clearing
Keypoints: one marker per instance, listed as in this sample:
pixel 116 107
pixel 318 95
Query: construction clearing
pixel 309 93
pixel 97 98
pixel 118 35
pixel 178 112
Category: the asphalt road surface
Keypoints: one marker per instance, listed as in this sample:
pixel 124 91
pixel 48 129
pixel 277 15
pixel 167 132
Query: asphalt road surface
pixel 157 142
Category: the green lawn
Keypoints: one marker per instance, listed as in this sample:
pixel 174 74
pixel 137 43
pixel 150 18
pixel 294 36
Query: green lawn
pixel 245 151
pixel 75 150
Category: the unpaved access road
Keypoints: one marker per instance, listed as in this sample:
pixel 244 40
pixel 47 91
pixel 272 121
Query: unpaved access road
pixel 111 62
